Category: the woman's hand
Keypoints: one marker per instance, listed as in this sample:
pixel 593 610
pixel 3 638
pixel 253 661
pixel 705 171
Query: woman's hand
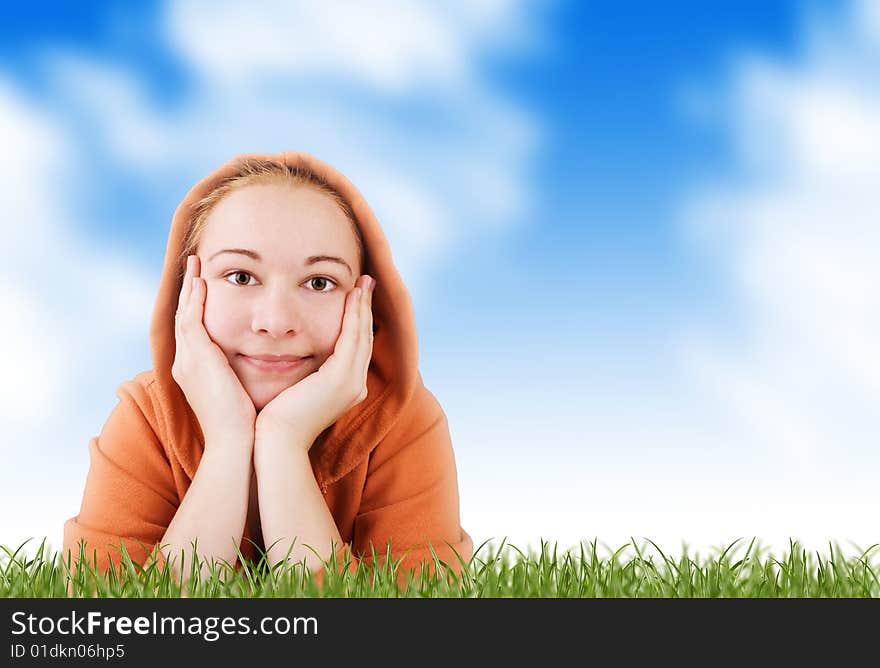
pixel 224 409
pixel 300 413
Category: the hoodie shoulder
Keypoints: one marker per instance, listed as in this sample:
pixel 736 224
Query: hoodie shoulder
pixel 130 493
pixel 410 497
pixel 422 427
pixel 142 390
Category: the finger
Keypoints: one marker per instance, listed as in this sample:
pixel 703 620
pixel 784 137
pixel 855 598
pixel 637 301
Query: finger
pixel 366 338
pixel 185 287
pixel 352 318
pixel 362 347
pixel 195 311
pixel 345 344
pixel 191 331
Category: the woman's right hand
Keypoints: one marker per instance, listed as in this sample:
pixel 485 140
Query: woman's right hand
pixel 224 409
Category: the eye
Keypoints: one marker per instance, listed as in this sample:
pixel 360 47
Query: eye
pixel 237 274
pixel 322 280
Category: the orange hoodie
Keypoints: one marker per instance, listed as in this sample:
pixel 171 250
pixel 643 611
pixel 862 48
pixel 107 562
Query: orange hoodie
pixel 386 467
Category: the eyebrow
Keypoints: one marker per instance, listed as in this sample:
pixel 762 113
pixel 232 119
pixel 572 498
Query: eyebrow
pixel 312 259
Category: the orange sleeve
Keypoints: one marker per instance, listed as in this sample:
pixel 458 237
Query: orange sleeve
pixel 410 499
pixel 129 496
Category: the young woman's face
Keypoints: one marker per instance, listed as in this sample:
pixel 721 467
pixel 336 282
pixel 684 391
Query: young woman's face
pixel 282 303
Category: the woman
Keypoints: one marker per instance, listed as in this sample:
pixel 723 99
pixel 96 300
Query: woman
pixel 282 412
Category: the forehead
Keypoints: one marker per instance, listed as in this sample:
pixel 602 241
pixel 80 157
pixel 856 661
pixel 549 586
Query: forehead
pixel 279 220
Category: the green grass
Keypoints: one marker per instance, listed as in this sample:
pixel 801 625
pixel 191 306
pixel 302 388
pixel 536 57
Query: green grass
pixel 577 572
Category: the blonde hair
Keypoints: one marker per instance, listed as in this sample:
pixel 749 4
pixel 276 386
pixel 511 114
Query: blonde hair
pixel 252 171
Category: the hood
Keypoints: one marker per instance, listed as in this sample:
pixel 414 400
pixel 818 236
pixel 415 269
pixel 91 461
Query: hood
pixel 393 374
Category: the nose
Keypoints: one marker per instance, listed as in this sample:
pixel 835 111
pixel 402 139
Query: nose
pixel 276 312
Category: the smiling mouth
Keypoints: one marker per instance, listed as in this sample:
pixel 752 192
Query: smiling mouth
pixel 275 366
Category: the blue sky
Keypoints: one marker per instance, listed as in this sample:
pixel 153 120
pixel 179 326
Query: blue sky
pixel 638 239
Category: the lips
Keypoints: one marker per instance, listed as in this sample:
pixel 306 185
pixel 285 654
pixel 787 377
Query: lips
pixel 276 358
pixel 275 363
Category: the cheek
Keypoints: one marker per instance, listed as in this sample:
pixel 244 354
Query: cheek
pixel 220 318
pixel 326 327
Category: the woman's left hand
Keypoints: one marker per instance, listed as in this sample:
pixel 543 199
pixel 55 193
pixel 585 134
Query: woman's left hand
pixel 299 414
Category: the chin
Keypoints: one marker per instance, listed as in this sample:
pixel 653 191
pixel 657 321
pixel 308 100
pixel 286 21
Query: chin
pixel 259 405
pixel 263 395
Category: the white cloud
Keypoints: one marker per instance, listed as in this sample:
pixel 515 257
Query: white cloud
pixel 68 304
pixel 55 283
pixel 391 45
pixel 128 126
pixel 30 362
pixel 798 235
